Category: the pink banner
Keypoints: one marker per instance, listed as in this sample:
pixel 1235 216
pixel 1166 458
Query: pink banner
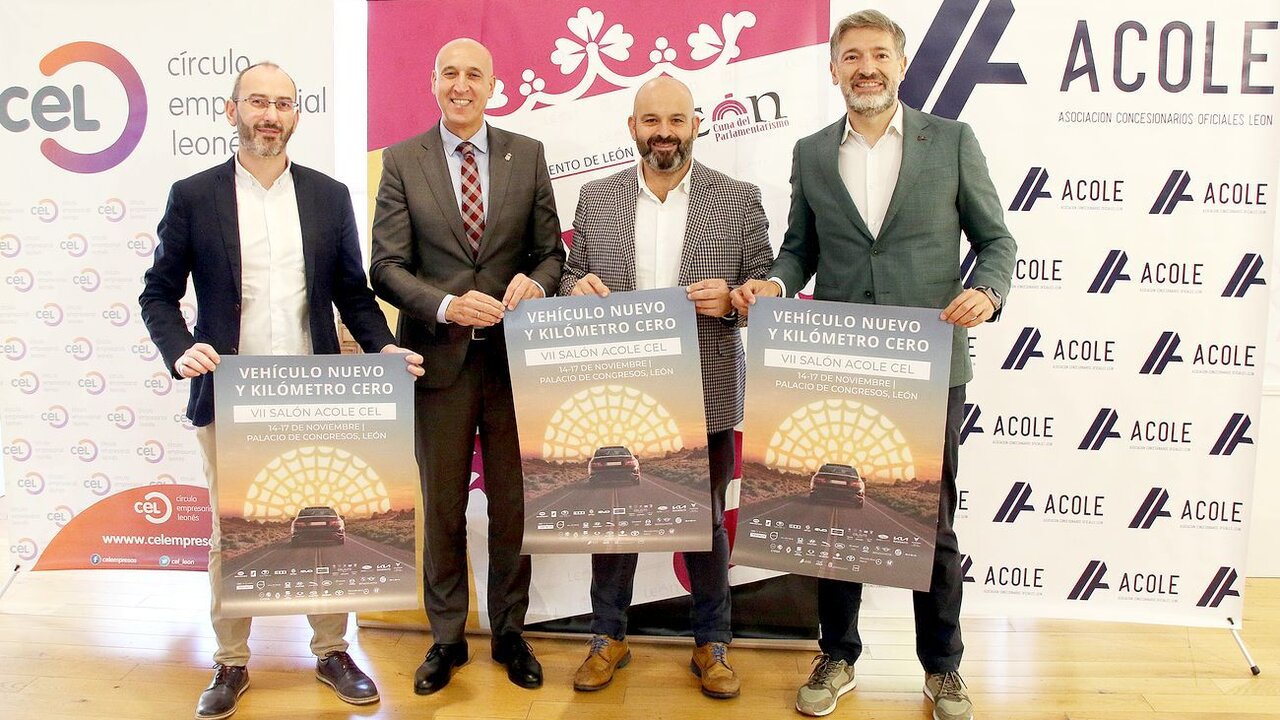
pixel 565 48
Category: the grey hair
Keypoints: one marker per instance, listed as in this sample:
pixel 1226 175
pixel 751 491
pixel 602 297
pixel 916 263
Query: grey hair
pixel 873 19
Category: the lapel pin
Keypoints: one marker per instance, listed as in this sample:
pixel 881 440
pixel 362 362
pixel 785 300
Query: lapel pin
pixel 921 138
pixel 507 157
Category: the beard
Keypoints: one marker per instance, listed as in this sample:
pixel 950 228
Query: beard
pixel 262 146
pixel 665 160
pixel 869 105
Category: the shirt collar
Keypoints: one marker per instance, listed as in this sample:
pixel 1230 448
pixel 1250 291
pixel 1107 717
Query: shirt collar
pixel 451 142
pixel 681 187
pixel 895 126
pixel 246 178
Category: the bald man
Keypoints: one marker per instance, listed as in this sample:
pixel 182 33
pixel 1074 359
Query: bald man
pixel 465 229
pixel 669 222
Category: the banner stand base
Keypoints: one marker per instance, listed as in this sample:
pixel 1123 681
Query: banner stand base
pixel 1235 633
pixel 14 575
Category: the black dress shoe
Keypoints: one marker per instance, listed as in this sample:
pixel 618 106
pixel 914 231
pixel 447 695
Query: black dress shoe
pixel 339 671
pixel 523 668
pixel 434 672
pixel 220 698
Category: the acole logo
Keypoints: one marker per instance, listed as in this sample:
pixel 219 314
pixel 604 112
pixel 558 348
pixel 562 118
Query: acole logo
pixel 1091 580
pixel 1247 274
pixel 1233 435
pixel 1075 193
pixel 1197 512
pixel 969 425
pixel 1221 587
pixel 1225 196
pixel 973 66
pixel 1158 275
pixel 1223 357
pixel 1095 353
pixel 1015 503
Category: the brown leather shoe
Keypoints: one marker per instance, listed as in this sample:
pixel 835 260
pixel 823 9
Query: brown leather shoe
pixel 711 663
pixel 604 656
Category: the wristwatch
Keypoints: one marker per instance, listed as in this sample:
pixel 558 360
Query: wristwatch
pixel 992 295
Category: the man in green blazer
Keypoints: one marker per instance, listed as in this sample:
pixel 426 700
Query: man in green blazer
pixel 879 200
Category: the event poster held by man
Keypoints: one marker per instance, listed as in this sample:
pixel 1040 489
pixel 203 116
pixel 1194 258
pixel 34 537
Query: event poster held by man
pixel 879 200
pixel 465 229
pixel 665 222
pixel 271 248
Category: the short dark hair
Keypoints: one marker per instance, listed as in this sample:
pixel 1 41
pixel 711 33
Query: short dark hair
pixel 235 89
pixel 873 19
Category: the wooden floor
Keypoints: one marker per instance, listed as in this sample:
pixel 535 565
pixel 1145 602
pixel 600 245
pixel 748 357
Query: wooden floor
pixel 136 645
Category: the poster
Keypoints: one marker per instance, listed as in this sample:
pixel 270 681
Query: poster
pixel 317 484
pixel 842 444
pixel 613 432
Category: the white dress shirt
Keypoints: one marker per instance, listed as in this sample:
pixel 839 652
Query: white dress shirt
pixel 870 172
pixel 660 227
pixel 273 277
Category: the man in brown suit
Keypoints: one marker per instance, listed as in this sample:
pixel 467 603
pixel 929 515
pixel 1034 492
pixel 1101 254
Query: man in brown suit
pixel 466 228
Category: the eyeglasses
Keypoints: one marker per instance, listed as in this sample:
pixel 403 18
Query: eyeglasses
pixel 284 106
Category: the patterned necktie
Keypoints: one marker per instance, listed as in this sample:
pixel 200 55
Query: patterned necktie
pixel 472 200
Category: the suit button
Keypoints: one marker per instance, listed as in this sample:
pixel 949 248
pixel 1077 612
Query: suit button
pixel 875 251
pixel 867 293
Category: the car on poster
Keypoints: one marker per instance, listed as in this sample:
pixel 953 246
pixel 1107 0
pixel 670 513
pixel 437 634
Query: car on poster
pixel 838 483
pixel 319 524
pixel 613 462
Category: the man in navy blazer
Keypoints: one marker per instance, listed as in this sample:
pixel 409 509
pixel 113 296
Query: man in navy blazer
pixel 879 200
pixel 271 248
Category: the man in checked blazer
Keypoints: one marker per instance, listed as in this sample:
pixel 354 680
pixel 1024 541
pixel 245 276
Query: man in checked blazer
pixel 878 202
pixel 671 222
pixel 465 228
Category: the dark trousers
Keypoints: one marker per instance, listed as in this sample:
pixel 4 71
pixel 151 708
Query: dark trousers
pixel 938 642
pixel 613 575
pixel 446 420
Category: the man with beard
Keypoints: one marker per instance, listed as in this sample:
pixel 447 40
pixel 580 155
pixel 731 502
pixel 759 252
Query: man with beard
pixel 878 202
pixel 671 222
pixel 271 248
pixel 466 229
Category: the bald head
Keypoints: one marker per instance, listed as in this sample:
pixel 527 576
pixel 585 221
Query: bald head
pixel 463 82
pixel 663 93
pixel 465 48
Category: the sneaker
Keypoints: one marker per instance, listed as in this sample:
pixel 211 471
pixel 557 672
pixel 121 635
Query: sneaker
pixel 829 680
pixel 711 664
pixel 949 696
pixel 604 656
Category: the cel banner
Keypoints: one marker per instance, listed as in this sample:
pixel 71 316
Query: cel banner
pixel 102 118
pixel 613 433
pixel 842 446
pixel 317 484
pixel 147 528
